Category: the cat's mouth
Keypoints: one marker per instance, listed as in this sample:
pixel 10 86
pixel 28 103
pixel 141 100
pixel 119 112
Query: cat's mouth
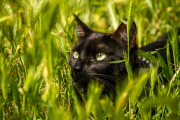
pixel 82 84
pixel 79 77
pixel 81 81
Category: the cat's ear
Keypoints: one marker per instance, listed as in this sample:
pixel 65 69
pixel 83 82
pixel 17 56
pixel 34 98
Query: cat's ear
pixel 82 29
pixel 121 34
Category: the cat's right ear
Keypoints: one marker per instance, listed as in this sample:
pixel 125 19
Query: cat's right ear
pixel 82 29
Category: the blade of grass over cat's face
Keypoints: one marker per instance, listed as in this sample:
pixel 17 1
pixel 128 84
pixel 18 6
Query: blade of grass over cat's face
pixel 130 75
pixel 128 67
pixel 129 23
pixel 118 61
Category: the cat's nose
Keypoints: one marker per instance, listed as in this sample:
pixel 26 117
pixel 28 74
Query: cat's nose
pixel 78 67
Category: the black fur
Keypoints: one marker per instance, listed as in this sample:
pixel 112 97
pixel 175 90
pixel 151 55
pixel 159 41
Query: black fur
pixel 90 42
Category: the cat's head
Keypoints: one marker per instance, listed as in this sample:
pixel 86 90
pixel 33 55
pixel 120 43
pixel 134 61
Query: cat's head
pixel 91 56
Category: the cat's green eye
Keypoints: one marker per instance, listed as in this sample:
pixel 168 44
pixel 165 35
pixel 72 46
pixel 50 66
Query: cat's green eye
pixel 76 54
pixel 100 56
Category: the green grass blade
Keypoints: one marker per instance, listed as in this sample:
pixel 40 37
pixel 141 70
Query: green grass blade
pixel 8 32
pixel 16 96
pixel 169 59
pixel 148 56
pixel 129 22
pixel 128 67
pixel 79 109
pixel 164 66
pixel 36 37
pixel 154 77
pixel 118 61
pixel 139 84
pixel 144 107
pixel 4 77
pixel 130 75
pixel 175 46
pixel 1 111
pixel 112 14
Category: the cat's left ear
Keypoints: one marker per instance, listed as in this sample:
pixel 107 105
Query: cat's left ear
pixel 121 34
pixel 82 29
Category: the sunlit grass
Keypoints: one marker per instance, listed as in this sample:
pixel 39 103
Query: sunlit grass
pixel 36 37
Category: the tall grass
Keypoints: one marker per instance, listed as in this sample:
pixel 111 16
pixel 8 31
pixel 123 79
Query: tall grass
pixel 36 37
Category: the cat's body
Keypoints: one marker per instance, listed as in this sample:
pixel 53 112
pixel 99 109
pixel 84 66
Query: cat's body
pixel 90 57
pixel 159 43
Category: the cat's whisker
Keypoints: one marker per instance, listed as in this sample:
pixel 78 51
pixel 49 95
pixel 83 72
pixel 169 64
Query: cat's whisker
pixel 105 82
pixel 109 79
pixel 108 84
pixel 107 76
pixel 105 85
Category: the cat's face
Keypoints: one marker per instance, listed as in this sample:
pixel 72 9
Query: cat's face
pixel 91 56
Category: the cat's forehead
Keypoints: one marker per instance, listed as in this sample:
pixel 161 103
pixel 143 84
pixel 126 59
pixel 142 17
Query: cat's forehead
pixel 98 36
pixel 95 43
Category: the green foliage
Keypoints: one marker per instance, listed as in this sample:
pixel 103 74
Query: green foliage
pixel 36 37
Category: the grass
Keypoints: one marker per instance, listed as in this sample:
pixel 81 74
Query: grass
pixel 36 37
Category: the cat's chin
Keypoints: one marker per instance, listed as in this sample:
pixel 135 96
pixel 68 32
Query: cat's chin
pixel 82 85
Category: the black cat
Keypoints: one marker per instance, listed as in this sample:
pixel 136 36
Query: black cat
pixel 90 57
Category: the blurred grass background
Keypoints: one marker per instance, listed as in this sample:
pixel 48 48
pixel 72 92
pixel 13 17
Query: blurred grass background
pixel 36 37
